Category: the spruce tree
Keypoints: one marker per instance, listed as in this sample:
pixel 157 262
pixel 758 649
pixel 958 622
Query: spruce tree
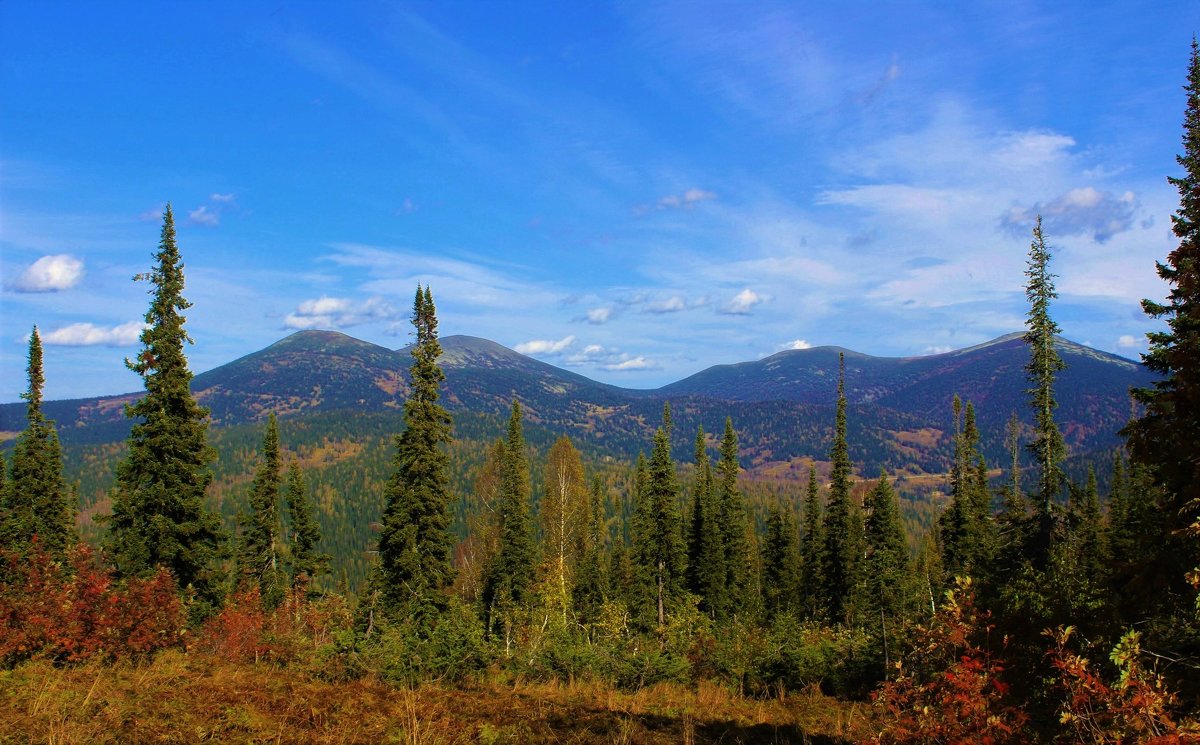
pixel 843 520
pixel 1166 439
pixel 510 578
pixel 887 587
pixel 37 502
pixel 158 514
pixel 967 528
pixel 812 553
pixel 307 563
pixel 740 590
pixel 659 554
pixel 415 540
pixel 1044 364
pixel 592 587
pixel 706 539
pixel 780 562
pixel 259 547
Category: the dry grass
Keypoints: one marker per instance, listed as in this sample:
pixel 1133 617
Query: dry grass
pixel 188 699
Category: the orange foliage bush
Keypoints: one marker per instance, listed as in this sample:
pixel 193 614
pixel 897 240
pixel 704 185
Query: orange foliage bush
pixel 76 611
pixel 949 689
pixel 293 632
pixel 1135 709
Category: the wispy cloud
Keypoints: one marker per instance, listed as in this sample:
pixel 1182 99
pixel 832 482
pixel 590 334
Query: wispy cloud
pixel 686 200
pixel 209 214
pixel 1085 211
pixel 795 344
pixel 672 304
pixel 338 313
pixel 50 274
pixel 599 315
pixel 547 347
pixel 90 335
pixel 633 363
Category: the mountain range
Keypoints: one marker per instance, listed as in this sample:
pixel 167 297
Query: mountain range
pixel 781 404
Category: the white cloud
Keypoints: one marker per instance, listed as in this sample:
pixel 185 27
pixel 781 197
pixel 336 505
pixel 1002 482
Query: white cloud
pixel 1085 211
pixel 673 304
pixel 336 313
pixel 937 349
pixel 1128 341
pixel 796 344
pixel 545 346
pixel 633 363
pixel 90 335
pixel 202 215
pixel 599 315
pixel 222 198
pixel 50 274
pixel 743 302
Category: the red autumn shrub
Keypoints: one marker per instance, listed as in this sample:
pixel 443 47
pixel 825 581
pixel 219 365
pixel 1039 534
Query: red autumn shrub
pixel 292 632
pixel 949 688
pixel 74 611
pixel 1136 708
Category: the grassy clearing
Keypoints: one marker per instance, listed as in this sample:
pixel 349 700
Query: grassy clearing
pixel 190 698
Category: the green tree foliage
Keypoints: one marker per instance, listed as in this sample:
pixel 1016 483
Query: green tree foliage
pixel 478 550
pixel 1166 439
pixel 967 528
pixel 1012 522
pixel 780 562
pixel 887 590
pixel 843 521
pixel 707 575
pixel 812 553
pixel 564 513
pixel 258 555
pixel 307 563
pixel 592 584
pixel 37 500
pixel 1044 364
pixel 659 555
pixel 739 577
pixel 158 515
pixel 510 577
pixel 415 541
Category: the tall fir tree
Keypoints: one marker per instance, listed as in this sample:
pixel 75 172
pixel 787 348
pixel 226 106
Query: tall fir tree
pixel 812 553
pixel 592 587
pixel 843 520
pixel 510 578
pixel 740 589
pixel 307 563
pixel 887 588
pixel 780 561
pixel 258 558
pixel 37 501
pixel 414 543
pixel 967 528
pixel 659 554
pixel 1165 440
pixel 1044 365
pixel 706 539
pixel 159 516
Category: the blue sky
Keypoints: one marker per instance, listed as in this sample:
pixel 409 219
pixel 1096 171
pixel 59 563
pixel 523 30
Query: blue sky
pixel 634 191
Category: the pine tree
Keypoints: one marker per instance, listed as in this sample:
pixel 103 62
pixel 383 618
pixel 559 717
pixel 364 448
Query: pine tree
pixel 415 540
pixel 740 590
pixel 1166 439
pixel 258 555
pixel 1012 522
pixel 564 514
pixel 967 528
pixel 158 514
pixel 307 564
pixel 37 501
pixel 659 554
pixel 510 578
pixel 706 539
pixel 888 588
pixel 1044 364
pixel 812 553
pixel 843 520
pixel 780 562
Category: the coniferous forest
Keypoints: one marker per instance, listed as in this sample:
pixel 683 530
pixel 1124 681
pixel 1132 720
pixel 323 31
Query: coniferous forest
pixel 528 592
